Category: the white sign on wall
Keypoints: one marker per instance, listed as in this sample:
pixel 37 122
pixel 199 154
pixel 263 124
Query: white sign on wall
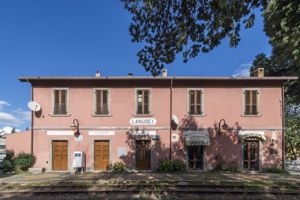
pixel 143 132
pixel 175 137
pixel 142 121
pixel 60 133
pixel 101 132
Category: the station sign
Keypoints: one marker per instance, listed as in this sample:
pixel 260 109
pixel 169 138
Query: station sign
pixel 143 121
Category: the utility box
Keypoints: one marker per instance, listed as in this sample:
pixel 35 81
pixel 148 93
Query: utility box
pixel 79 161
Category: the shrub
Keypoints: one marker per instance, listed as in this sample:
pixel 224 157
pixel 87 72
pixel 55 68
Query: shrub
pixel 119 167
pixel 275 170
pixel 9 155
pixel 24 161
pixel 165 166
pixel 171 166
pixel 179 165
pixel 8 166
pixel 9 162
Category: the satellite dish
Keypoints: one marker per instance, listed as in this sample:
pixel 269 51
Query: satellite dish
pixel 34 106
pixel 175 119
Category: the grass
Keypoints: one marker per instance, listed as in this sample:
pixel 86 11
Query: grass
pixel 275 171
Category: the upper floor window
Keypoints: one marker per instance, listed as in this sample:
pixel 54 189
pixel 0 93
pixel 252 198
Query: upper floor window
pixel 60 102
pixel 195 102
pixel 142 102
pixel 251 102
pixel 101 102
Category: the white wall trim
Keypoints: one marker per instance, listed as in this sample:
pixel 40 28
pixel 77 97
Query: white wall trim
pixel 258 102
pixel 62 132
pixel 135 101
pixel 108 101
pixel 188 101
pixel 95 132
pixel 68 101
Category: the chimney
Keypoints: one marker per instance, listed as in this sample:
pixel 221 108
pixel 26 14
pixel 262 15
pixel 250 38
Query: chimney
pixel 259 72
pixel 97 74
pixel 130 74
pixel 165 73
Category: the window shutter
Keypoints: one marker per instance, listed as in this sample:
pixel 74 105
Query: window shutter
pixel 63 103
pixel 247 102
pixel 56 102
pixel 146 101
pixel 98 102
pixel 105 102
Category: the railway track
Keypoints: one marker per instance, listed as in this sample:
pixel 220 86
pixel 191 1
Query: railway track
pixel 150 191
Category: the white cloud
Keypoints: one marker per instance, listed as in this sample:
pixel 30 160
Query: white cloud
pixel 9 119
pixel 23 115
pixel 3 103
pixel 243 70
pixel 8 130
pixel 13 117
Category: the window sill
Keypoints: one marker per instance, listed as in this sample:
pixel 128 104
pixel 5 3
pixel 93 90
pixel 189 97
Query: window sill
pixel 195 115
pixel 60 115
pixel 101 115
pixel 243 115
pixel 143 115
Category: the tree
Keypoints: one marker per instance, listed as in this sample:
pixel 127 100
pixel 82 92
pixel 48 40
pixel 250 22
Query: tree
pixel 170 27
pixel 282 25
pixel 270 66
pixel 292 135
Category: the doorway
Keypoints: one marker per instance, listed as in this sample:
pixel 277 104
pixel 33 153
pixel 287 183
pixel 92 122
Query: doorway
pixel 59 155
pixel 195 157
pixel 101 155
pixel 143 154
pixel 251 155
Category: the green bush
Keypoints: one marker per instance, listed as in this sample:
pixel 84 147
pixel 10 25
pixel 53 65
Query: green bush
pixel 9 162
pixel 275 170
pixel 165 166
pixel 179 165
pixel 8 166
pixel 119 167
pixel 24 161
pixel 171 166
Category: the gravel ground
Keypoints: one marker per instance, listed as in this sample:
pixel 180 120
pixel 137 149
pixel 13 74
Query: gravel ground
pixel 141 196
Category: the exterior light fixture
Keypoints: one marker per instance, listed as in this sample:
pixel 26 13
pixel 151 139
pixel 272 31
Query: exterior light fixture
pixel 75 127
pixel 221 127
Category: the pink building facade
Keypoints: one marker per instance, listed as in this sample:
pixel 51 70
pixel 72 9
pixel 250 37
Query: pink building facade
pixel 229 123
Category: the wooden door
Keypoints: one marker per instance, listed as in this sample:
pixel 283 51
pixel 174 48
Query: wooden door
pixel 251 155
pixel 101 155
pixel 143 154
pixel 60 155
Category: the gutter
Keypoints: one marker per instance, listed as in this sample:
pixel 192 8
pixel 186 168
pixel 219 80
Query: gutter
pixel 32 113
pixel 171 113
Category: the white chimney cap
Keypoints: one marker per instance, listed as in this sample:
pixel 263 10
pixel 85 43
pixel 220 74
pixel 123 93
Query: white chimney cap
pixel 97 73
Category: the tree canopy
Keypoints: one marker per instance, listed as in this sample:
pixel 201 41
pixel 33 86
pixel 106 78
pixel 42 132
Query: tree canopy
pixel 186 27
pixel 282 25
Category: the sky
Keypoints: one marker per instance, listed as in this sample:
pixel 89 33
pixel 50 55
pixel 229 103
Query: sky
pixel 78 37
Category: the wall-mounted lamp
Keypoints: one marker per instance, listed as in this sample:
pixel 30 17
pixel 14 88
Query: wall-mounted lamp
pixel 224 126
pixel 75 127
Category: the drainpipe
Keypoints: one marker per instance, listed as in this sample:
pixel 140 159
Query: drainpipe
pixel 171 113
pixel 31 136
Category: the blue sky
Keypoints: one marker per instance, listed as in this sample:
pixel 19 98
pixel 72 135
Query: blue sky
pixel 77 37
